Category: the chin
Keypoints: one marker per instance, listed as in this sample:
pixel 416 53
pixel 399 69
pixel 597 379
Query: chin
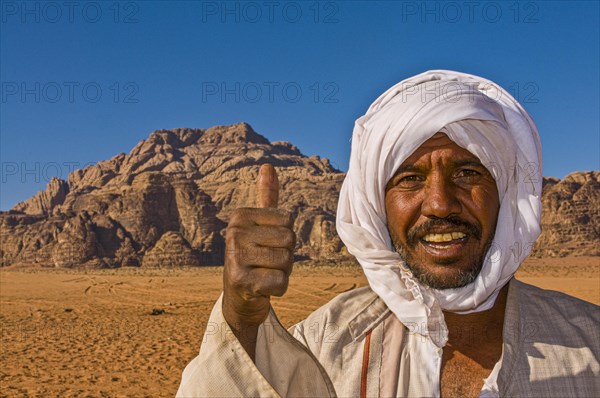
pixel 443 277
pixel 445 284
pixel 442 273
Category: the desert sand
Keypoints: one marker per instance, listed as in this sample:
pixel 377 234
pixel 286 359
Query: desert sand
pixel 93 333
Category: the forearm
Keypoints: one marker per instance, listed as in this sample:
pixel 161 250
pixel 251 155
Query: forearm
pixel 245 332
pixel 244 317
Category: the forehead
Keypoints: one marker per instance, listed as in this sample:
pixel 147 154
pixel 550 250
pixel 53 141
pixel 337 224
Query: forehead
pixel 439 146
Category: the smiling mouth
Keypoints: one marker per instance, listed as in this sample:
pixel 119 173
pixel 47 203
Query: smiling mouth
pixel 444 238
pixel 447 244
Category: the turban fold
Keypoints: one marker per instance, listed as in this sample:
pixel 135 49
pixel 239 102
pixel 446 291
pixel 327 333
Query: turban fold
pixel 477 115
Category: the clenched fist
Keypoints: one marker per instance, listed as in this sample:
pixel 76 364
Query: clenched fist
pixel 259 257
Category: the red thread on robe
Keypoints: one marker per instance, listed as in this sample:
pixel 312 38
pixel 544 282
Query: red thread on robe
pixel 365 366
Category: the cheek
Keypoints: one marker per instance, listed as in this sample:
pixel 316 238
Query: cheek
pixel 485 205
pixel 400 212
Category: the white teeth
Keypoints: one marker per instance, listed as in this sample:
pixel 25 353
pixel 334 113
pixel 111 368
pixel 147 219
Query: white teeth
pixel 443 237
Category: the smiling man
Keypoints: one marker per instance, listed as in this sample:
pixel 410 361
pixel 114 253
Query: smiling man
pixel 437 209
pixel 442 205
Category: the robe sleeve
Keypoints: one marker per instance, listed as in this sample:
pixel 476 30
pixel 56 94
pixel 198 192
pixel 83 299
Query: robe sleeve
pixel 284 367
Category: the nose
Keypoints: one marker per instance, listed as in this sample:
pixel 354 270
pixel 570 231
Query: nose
pixel 440 200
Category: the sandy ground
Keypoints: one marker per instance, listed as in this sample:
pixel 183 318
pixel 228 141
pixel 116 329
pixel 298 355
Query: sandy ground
pixel 92 333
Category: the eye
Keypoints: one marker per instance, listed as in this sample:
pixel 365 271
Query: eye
pixel 408 181
pixel 472 175
pixel 468 173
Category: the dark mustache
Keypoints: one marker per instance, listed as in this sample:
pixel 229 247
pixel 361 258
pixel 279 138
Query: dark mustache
pixel 425 228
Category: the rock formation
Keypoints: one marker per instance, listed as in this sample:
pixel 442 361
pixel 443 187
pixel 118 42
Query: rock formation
pixel 167 203
pixel 171 250
pixel 570 216
pixel 44 201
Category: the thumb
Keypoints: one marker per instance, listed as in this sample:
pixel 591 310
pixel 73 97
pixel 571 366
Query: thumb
pixel 267 187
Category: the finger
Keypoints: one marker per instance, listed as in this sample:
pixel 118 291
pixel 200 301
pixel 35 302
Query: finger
pixel 267 187
pixel 249 216
pixel 271 236
pixel 253 254
pixel 275 283
pixel 277 258
pixel 260 245
pixel 259 281
pixel 267 282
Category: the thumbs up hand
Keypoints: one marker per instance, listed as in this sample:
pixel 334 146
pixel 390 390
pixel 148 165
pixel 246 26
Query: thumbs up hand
pixel 259 256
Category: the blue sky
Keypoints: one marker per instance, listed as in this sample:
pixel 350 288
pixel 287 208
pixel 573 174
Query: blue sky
pixel 84 81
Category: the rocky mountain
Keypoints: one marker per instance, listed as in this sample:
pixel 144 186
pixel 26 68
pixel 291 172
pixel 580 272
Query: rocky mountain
pixel 167 203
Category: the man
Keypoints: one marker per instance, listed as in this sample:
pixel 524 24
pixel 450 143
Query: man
pixel 437 210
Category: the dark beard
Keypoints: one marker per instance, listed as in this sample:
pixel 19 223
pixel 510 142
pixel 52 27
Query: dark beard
pixel 425 276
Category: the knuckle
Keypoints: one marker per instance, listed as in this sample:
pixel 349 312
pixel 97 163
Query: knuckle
pixel 273 283
pixel 240 216
pixel 281 257
pixel 237 278
pixel 289 238
pixel 280 285
pixel 233 234
pixel 274 257
pixel 287 218
pixel 235 217
pixel 283 260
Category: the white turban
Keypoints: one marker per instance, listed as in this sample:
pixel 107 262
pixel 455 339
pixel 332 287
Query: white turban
pixel 479 116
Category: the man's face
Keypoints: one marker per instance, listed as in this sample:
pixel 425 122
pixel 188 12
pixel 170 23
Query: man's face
pixel 442 205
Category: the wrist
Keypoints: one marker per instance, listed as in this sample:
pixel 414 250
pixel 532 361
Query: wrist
pixel 244 324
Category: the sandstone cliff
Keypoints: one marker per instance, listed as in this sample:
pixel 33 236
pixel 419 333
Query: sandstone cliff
pixel 167 203
pixel 570 216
